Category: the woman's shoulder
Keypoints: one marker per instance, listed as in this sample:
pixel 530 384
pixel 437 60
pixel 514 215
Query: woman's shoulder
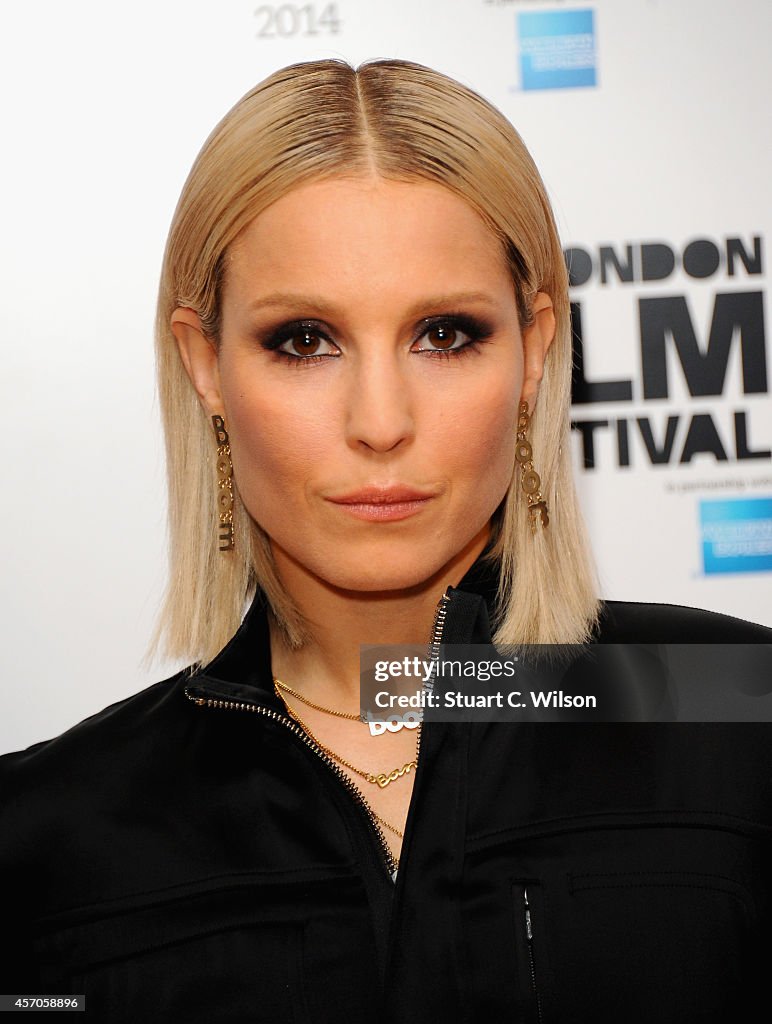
pixel 645 622
pixel 95 743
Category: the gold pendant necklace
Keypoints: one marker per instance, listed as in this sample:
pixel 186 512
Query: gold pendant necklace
pixel 382 779
pixel 367 775
pixel 376 728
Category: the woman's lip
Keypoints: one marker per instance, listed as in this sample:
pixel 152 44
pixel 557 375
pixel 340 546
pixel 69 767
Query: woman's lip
pixel 381 496
pixel 383 511
pixel 383 504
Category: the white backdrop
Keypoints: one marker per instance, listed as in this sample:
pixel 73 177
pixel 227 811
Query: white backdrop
pixel 104 109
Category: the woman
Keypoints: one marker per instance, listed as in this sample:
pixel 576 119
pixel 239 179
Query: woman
pixel 364 356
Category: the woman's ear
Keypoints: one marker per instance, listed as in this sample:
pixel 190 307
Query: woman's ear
pixel 199 357
pixel 537 339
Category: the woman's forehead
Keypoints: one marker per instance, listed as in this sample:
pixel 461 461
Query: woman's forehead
pixel 342 235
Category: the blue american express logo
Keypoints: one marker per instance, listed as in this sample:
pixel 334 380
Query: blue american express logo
pixel 557 49
pixel 737 535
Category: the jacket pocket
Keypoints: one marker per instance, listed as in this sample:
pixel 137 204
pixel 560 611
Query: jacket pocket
pixel 530 952
pixel 655 944
pixel 506 948
pixel 225 956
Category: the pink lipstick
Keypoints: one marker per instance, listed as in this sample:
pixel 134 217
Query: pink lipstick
pixel 383 504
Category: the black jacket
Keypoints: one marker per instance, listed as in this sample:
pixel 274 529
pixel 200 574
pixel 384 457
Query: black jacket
pixel 183 855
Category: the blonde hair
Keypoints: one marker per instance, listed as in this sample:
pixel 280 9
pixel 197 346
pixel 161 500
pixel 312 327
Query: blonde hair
pixel 404 122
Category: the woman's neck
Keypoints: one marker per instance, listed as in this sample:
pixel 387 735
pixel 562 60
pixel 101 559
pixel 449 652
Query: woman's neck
pixel 327 667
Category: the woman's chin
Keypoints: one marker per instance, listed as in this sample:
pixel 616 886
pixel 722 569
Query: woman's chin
pixel 374 576
pixel 380 568
pixel 392 574
pixel 363 576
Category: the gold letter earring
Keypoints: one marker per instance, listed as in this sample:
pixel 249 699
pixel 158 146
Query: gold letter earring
pixel 224 485
pixel 537 506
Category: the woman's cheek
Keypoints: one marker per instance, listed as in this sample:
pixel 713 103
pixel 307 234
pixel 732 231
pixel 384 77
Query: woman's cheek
pixel 488 442
pixel 276 453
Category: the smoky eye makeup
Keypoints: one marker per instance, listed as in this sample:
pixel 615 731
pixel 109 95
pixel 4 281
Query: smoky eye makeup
pixel 310 339
pixel 451 336
pixel 305 341
pixel 476 329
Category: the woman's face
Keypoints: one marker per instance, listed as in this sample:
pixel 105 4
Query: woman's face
pixel 369 372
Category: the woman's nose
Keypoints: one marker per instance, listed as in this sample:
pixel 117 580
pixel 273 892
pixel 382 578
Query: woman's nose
pixel 380 414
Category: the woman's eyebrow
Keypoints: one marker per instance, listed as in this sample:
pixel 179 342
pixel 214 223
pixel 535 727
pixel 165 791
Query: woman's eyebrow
pixel 295 300
pixel 286 300
pixel 450 301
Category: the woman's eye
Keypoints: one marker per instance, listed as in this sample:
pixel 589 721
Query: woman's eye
pixel 306 343
pixel 443 338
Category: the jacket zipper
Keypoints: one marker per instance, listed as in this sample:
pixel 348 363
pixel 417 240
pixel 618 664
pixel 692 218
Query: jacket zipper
pixel 211 702
pixel 435 646
pixel 529 938
pixel 434 653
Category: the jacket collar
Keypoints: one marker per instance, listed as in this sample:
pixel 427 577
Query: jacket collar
pixel 242 669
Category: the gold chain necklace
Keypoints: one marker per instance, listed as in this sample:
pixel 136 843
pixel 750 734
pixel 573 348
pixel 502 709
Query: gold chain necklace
pixel 392 827
pixel 367 775
pixel 381 780
pixel 279 685
pixel 376 728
